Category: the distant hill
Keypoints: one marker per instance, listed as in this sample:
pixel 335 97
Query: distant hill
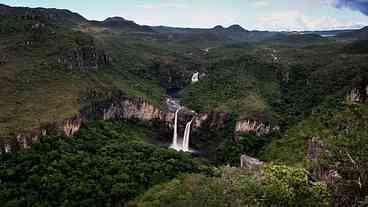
pixel 60 16
pixel 296 39
pixel 232 33
pixel 120 23
pixel 361 34
pixel 329 33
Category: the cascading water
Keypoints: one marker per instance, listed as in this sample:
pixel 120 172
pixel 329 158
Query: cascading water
pixel 186 138
pixel 195 77
pixel 175 136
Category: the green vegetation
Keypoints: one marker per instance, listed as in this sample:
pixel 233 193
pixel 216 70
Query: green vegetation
pixel 106 164
pixel 239 84
pixel 277 186
pixel 344 133
pixel 50 70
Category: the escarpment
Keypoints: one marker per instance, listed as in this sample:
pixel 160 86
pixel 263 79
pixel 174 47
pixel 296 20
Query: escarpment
pixel 256 127
pixel 118 107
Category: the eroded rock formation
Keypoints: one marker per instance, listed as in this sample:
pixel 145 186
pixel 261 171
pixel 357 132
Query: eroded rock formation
pixel 119 107
pixel 359 94
pixel 256 127
pixel 316 150
pixel 71 126
pixel 213 120
pixel 250 163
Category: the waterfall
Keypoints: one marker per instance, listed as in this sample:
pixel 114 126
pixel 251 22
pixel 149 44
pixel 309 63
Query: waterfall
pixel 187 137
pixel 185 144
pixel 195 77
pixel 175 137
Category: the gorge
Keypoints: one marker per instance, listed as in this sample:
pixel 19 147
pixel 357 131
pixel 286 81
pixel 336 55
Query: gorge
pixel 113 113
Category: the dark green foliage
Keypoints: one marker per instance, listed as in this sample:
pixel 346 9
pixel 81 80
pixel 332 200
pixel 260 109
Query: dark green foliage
pixel 278 186
pixel 238 84
pixel 357 47
pixel 106 164
pixel 344 133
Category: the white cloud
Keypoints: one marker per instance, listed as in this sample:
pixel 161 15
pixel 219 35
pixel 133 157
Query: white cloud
pixel 296 20
pixel 168 5
pixel 177 13
pixel 260 4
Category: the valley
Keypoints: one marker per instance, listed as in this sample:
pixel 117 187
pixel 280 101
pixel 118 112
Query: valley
pixel 113 113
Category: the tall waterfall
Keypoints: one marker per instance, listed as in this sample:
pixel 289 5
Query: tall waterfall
pixel 187 136
pixel 175 137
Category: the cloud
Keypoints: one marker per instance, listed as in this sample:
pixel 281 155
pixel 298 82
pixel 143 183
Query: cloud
pixel 297 20
pixel 260 4
pixel 358 5
pixel 164 6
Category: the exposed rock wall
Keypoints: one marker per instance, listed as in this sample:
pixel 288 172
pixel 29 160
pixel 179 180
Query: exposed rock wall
pixel 250 163
pixel 71 126
pixel 358 95
pixel 316 150
pixel 213 120
pixel 119 107
pixel 256 127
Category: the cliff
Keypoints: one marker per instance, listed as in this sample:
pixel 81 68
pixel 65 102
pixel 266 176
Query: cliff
pixel 119 107
pixel 257 127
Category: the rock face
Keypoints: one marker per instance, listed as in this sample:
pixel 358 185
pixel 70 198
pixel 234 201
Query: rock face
pixel 358 94
pixel 256 127
pixel 250 163
pixel 316 149
pixel 20 142
pixel 213 120
pixel 71 126
pixel 132 109
pixel 119 107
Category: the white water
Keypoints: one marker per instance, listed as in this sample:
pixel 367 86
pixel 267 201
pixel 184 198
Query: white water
pixel 184 146
pixel 195 77
pixel 187 137
pixel 175 137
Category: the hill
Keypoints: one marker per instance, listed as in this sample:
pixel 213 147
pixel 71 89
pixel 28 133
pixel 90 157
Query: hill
pixel 298 100
pixel 361 34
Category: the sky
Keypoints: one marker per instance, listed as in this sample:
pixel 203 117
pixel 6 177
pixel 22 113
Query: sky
pixel 276 15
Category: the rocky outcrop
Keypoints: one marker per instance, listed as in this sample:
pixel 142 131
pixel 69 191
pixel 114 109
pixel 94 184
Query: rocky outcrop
pixel 85 57
pixel 212 120
pixel 316 150
pixel 71 126
pixel 250 163
pixel 118 107
pixel 358 95
pixel 256 127
pixel 21 141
